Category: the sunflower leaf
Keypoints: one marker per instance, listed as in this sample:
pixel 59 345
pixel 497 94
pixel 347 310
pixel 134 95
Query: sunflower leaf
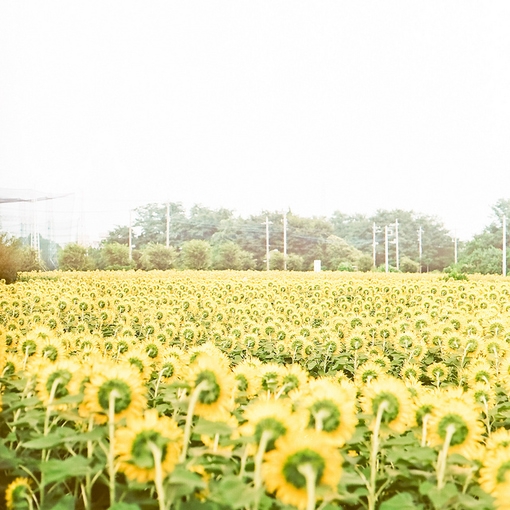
pixel 58 470
pixel 402 501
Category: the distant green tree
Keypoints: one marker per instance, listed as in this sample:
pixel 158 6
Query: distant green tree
pixel 10 249
pixel 295 262
pixel 276 260
pixel 115 256
pixel 229 255
pixel 196 254
pixel 338 252
pixel 157 256
pixel 365 263
pixel 408 265
pixel 74 257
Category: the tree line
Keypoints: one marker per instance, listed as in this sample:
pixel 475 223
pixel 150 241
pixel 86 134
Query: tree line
pixel 165 236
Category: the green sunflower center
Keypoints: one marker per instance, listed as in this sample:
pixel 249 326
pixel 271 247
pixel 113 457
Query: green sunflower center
pixel 461 428
pixel 137 363
pixel 20 496
pixel 502 471
pixel 272 425
pixel 123 398
pixel 290 382
pixel 50 352
pixel 392 407
pixel 423 411
pixel 63 376
pixel 141 453
pixel 327 412
pixel 29 347
pixel 301 458
pixel 242 382
pixel 270 381
pixel 167 370
pixel 211 393
pixel 9 369
pixel 369 375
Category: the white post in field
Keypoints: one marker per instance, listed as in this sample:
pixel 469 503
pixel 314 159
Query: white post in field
pixel 504 245
pixel 396 245
pixel 285 241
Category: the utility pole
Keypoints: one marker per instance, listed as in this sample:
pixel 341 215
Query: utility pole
pixel 285 241
pixel 420 247
pixel 374 244
pixel 504 245
pixel 167 225
pixel 267 243
pixel 455 248
pixel 386 264
pixel 396 245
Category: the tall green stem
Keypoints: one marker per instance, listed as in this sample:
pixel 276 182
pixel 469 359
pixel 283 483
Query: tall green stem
pixel 257 477
pixel 111 452
pixel 189 417
pixel 311 478
pixel 158 475
pixel 372 485
pixel 443 456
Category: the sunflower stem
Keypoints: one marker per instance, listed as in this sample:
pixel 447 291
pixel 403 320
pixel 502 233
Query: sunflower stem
pixel 257 476
pixel 244 459
pixel 158 475
pixel 424 430
pixel 443 455
pixel 88 477
pixel 46 430
pixel 372 494
pixel 111 452
pixel 189 417
pixel 158 382
pixel 310 476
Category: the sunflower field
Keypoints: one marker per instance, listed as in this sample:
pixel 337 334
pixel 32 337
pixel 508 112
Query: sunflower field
pixel 240 390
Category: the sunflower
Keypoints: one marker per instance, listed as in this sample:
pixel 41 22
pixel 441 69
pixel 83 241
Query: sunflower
pixel 271 377
pixel 58 379
pixel 135 444
pixel 392 393
pixel 500 438
pixel 272 417
pixel 217 382
pixel 481 372
pixel 368 372
pixel 457 420
pixel 247 375
pixel 301 463
pixel 495 470
pixel 438 373
pixel 294 376
pixel 18 494
pixel 331 408
pixel 118 380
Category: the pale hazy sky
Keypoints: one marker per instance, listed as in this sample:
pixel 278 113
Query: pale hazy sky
pixel 251 105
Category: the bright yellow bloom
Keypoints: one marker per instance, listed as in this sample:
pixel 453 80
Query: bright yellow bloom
pixel 285 467
pixel 113 382
pixel 17 494
pixel 460 417
pixel 135 444
pixel 331 408
pixel 398 415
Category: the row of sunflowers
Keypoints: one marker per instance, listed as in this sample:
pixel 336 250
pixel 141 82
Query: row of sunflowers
pixel 254 391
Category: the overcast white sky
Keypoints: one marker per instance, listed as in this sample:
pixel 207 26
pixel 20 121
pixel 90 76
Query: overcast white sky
pixel 251 105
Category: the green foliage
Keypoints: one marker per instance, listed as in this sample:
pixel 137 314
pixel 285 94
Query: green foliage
pixel 115 256
pixel 408 265
pixel 74 257
pixel 157 256
pixel 9 264
pixel 196 254
pixel 229 255
pixel 365 263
